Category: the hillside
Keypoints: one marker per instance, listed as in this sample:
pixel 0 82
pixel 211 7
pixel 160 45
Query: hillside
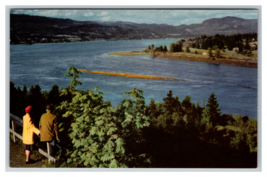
pixel 36 29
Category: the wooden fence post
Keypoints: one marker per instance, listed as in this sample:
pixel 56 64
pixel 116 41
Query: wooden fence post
pixel 48 151
pixel 13 129
pixel 16 120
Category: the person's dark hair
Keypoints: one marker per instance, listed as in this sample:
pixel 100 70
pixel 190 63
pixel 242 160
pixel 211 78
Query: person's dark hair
pixel 49 107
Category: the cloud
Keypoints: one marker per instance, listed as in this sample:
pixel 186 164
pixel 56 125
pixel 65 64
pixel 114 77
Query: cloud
pixel 107 18
pixel 90 13
pixel 170 17
pixel 102 14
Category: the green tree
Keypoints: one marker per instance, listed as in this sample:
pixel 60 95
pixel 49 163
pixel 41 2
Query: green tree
pixel 102 135
pixel 214 47
pixel 247 46
pixel 218 54
pixel 53 95
pixel 165 48
pixel 214 112
pixel 161 48
pixel 176 47
pixel 205 120
pixel 172 47
pixel 210 52
pixel 197 45
pixel 171 104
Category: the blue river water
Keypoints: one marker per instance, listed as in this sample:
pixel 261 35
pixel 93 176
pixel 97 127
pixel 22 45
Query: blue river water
pixel 45 64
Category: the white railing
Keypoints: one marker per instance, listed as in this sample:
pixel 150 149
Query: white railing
pixel 18 121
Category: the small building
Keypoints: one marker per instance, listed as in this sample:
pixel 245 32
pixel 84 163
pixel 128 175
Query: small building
pixel 205 53
pixel 236 49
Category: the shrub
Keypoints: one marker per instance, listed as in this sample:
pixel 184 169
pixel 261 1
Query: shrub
pixel 215 47
pixel 210 52
pixel 187 49
pixel 102 135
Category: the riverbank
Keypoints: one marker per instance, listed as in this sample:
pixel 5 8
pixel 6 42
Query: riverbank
pixel 128 75
pixel 226 58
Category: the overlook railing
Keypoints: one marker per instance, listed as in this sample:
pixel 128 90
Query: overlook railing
pixel 16 121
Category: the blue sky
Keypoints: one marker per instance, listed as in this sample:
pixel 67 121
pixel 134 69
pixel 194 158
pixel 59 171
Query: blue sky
pixel 170 17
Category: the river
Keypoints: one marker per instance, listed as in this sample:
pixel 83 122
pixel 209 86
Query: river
pixel 45 64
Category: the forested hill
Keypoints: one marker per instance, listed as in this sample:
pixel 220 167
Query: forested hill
pixel 36 29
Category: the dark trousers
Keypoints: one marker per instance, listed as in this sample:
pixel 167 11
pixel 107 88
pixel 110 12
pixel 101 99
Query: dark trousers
pixel 53 145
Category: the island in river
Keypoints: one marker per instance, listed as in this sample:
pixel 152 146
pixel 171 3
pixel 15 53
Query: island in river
pixel 227 57
pixel 129 75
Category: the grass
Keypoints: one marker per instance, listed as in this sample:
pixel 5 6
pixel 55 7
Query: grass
pixel 227 57
pixel 17 156
pixel 188 55
pixel 130 53
pixel 234 53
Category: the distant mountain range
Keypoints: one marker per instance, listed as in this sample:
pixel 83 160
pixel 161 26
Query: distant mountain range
pixel 36 29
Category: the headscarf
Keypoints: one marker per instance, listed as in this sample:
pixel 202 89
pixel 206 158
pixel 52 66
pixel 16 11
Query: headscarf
pixel 28 109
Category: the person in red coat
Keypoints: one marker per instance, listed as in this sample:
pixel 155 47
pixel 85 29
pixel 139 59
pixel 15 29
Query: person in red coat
pixel 27 135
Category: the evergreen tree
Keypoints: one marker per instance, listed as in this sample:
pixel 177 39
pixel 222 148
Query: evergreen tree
pixel 175 47
pixel 171 104
pixel 218 54
pixel 214 112
pixel 37 101
pixel 53 96
pixel 165 48
pixel 161 48
pixel 197 45
pixel 25 90
pixel 187 104
pixel 172 47
pixel 247 46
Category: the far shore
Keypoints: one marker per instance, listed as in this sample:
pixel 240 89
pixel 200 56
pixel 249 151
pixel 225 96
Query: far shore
pixel 226 59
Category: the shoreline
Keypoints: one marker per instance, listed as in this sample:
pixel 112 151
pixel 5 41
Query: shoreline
pixel 197 58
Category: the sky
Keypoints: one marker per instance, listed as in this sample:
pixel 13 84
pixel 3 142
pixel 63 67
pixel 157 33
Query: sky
pixel 169 17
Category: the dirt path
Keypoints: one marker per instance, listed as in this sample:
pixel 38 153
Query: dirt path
pixel 17 157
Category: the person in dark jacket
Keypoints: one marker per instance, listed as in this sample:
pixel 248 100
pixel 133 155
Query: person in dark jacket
pixel 48 126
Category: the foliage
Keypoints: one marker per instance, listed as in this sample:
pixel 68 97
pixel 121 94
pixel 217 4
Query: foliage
pixel 197 45
pixel 187 49
pixel 161 49
pixel 218 53
pixel 220 41
pixel 214 47
pixel 175 47
pixel 102 135
pixel 165 48
pixel 169 134
pixel 210 52
pixel 213 109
